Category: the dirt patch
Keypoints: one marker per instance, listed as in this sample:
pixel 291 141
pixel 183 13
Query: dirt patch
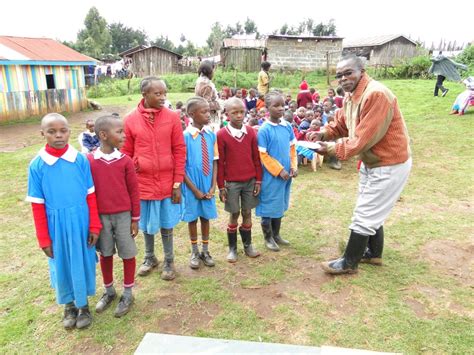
pixel 418 308
pixel 22 135
pixel 451 258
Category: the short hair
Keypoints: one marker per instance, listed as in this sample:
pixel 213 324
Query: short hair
pixel 269 97
pixel 206 68
pixel 253 122
pixel 104 123
pixel 265 65
pixel 358 61
pixel 193 102
pixel 147 81
pixel 50 117
pixel 89 120
pixel 233 101
pixel 179 104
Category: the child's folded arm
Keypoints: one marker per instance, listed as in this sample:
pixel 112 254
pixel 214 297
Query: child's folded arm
pixel 41 224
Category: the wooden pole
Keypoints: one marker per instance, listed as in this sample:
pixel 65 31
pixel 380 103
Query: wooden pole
pixel 327 67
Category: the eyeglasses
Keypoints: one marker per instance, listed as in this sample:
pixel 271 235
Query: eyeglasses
pixel 346 74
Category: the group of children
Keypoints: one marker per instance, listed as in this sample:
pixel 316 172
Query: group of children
pixel 148 174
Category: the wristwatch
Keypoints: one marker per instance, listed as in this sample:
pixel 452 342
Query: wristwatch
pixel 176 185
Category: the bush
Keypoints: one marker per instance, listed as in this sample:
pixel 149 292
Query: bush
pixel 413 68
pixel 467 56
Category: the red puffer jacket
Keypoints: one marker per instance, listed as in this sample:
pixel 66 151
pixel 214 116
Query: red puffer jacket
pixel 157 150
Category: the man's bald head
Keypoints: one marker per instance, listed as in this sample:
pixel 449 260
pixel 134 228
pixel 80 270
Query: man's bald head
pixel 52 117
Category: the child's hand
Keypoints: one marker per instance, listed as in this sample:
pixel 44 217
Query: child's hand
pixel 211 192
pixel 134 229
pixel 93 238
pixel 314 136
pixel 293 173
pixel 176 196
pixel 223 195
pixel 256 188
pixel 199 195
pixel 284 175
pixel 324 148
pixel 49 252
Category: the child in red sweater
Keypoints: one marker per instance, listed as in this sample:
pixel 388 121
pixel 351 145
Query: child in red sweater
pixel 118 202
pixel 304 96
pixel 239 176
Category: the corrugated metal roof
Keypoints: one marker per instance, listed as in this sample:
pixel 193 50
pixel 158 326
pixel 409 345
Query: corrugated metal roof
pixel 373 41
pixel 163 49
pixel 305 37
pixel 38 49
pixel 244 43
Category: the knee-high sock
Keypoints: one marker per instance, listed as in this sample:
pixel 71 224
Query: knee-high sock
pixel 129 266
pixel 107 268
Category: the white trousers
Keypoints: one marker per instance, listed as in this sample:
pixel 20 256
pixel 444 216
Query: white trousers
pixel 379 190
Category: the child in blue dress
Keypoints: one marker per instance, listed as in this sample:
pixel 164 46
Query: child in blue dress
pixel 61 191
pixel 200 179
pixel 276 144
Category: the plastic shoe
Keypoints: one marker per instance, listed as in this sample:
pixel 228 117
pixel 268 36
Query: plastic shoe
pixel 104 302
pixel 207 259
pixel 123 306
pixel 195 261
pixel 70 316
pixel 168 272
pixel 84 318
pixel 148 265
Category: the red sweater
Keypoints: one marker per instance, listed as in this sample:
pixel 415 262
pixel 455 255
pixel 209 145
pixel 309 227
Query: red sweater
pixel 239 159
pixel 303 98
pixel 115 184
pixel 154 140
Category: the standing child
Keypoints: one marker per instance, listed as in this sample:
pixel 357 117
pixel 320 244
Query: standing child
pixel 251 100
pixel 154 141
pixel 90 141
pixel 304 96
pixel 276 144
pixel 239 177
pixel 200 179
pixel 61 191
pixel 118 202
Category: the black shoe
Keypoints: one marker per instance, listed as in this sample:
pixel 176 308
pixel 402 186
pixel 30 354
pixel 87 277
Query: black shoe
pixel 276 224
pixel 207 259
pixel 104 302
pixel 232 239
pixel 168 272
pixel 124 306
pixel 269 241
pixel 348 264
pixel 84 318
pixel 249 250
pixel 148 265
pixel 445 92
pixel 373 252
pixel 195 261
pixel 70 316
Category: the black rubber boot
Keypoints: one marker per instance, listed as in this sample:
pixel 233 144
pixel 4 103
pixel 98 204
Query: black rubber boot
pixel 246 235
pixel 349 262
pixel 232 238
pixel 374 250
pixel 269 241
pixel 276 223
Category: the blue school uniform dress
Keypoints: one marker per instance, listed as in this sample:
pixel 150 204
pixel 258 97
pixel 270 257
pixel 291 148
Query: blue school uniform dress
pixel 195 171
pixel 62 184
pixel 276 140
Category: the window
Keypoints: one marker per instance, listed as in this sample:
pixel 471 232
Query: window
pixel 50 81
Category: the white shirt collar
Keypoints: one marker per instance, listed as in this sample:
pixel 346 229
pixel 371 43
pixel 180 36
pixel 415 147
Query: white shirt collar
pixel 70 155
pixel 282 122
pixel 116 154
pixel 194 131
pixel 237 133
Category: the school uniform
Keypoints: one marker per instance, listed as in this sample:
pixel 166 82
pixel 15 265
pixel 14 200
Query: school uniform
pixel 199 170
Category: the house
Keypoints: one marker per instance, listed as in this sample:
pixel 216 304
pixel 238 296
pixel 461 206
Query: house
pixel 305 53
pixel 382 50
pixel 242 54
pixel 40 75
pixel 152 60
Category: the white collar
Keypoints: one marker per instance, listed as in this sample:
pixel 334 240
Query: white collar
pixel 237 133
pixel 70 155
pixel 193 130
pixel 92 134
pixel 116 154
pixel 282 122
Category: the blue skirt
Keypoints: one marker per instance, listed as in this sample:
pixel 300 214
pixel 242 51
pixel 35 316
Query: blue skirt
pixel 156 214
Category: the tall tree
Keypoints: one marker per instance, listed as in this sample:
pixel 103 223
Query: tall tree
pixel 214 41
pixel 94 40
pixel 164 42
pixel 124 37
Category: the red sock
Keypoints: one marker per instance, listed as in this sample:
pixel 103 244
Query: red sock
pixel 232 228
pixel 107 267
pixel 246 227
pixel 129 266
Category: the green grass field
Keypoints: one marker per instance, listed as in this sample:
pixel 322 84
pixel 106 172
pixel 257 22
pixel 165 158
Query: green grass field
pixel 420 301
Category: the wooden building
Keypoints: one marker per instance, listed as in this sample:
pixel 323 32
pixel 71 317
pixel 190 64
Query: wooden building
pixel 242 54
pixel 40 75
pixel 153 60
pixel 382 50
pixel 303 52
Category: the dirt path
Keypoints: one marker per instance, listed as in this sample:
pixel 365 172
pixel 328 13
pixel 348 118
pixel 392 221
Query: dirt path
pixel 22 135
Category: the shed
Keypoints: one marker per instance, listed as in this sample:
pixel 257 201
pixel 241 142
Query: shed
pixel 242 54
pixel 153 60
pixel 40 75
pixel 303 52
pixel 382 50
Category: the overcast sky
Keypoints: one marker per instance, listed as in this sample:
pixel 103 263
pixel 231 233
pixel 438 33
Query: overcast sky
pixel 425 20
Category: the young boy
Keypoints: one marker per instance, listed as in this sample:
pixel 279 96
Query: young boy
pixel 90 141
pixel 251 100
pixel 118 202
pixel 264 79
pixel 276 144
pixel 239 177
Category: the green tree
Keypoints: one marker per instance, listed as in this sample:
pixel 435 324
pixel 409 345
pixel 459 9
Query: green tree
pixel 95 39
pixel 214 41
pixel 164 42
pixel 124 37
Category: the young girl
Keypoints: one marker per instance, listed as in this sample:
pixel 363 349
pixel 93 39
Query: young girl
pixel 61 191
pixel 276 144
pixel 200 179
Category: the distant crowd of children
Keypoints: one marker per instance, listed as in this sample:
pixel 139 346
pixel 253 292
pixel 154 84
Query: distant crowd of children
pixel 159 167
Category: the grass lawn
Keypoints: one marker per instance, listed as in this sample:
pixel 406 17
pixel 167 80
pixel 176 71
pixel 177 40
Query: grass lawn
pixel 419 301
